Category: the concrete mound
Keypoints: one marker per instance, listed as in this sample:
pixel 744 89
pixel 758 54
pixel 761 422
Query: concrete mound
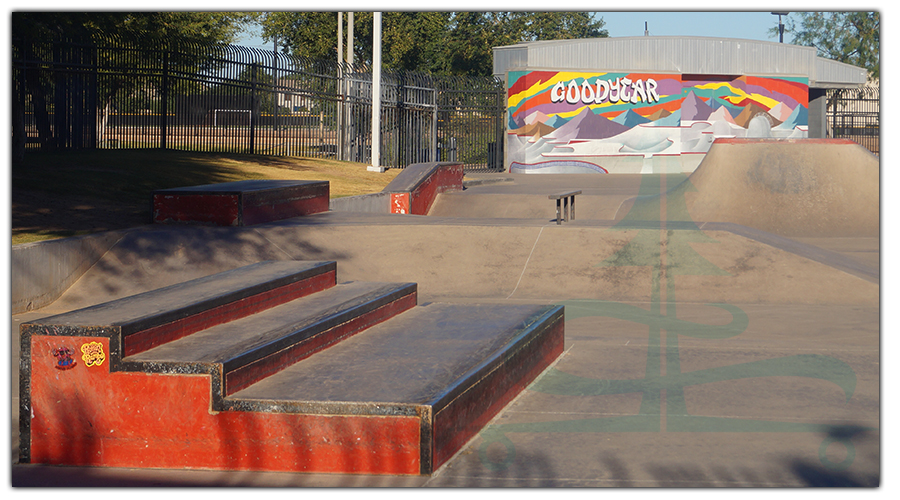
pixel 799 187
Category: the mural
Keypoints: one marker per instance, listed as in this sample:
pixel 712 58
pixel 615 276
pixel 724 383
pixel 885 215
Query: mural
pixel 578 122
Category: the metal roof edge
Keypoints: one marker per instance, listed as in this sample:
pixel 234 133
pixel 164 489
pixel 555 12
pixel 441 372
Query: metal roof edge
pixel 655 37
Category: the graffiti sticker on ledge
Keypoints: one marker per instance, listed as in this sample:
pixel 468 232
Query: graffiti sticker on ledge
pixel 63 357
pixel 92 354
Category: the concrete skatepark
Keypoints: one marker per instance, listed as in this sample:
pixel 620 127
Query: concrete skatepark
pixel 722 328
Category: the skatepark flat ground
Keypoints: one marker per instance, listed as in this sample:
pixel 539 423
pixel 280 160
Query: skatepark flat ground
pixel 705 355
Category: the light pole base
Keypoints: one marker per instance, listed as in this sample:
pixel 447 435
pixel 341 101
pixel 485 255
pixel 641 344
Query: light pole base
pixel 370 168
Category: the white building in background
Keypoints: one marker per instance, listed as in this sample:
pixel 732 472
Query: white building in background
pixel 655 104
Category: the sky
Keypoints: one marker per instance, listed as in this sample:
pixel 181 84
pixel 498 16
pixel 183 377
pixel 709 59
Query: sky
pixel 750 25
pixel 753 25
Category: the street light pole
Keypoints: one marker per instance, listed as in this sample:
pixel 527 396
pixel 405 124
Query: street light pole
pixel 339 142
pixel 350 38
pixel 376 95
pixel 780 25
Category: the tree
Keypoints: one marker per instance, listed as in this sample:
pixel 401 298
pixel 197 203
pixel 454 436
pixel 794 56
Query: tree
pixel 848 37
pixel 416 40
pixel 410 40
pixel 557 26
pixel 438 42
pixel 310 34
pixel 473 35
pixel 197 27
pixel 31 30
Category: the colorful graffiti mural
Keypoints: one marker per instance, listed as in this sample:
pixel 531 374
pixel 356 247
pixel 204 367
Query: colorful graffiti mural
pixel 578 122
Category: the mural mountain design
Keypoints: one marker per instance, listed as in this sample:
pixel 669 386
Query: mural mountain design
pixel 535 129
pixel 588 125
pixel 537 116
pixel 557 121
pixel 658 115
pixel 750 111
pixel 630 119
pixel 722 114
pixel 694 108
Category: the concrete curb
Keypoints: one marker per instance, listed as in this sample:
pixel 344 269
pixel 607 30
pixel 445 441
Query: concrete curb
pixel 486 181
pixel 374 203
pixel 42 271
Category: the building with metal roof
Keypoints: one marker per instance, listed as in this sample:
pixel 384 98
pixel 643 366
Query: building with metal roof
pixel 656 103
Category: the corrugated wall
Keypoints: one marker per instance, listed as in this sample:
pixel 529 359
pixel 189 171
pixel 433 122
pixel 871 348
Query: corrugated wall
pixel 720 56
pixel 833 74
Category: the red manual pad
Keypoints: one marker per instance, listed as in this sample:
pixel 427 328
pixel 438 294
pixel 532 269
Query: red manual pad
pixel 86 415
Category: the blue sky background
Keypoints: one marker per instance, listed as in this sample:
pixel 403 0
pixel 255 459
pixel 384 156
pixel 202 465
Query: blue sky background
pixel 752 25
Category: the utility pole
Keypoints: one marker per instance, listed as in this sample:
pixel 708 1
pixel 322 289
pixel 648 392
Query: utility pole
pixel 350 38
pixel 376 95
pixel 339 132
pixel 349 61
pixel 340 51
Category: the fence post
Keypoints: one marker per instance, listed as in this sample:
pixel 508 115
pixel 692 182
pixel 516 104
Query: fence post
pixel 60 97
pixel 253 106
pixel 401 145
pixel 164 119
pixel 834 123
pixel 77 96
pixel 275 87
pixel 434 124
pixel 499 159
pixel 19 136
pixel 93 100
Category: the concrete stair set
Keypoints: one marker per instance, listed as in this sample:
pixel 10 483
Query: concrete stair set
pixel 275 367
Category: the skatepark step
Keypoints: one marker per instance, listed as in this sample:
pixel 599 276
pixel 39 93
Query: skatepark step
pixel 145 320
pixel 430 378
pixel 250 370
pixel 239 203
pixel 254 347
pixel 415 189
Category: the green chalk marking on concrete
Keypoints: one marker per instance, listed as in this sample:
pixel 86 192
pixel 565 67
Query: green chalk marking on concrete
pixel 665 248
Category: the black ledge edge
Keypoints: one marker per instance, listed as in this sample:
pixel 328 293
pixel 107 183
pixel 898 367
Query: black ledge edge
pixel 414 175
pixel 60 324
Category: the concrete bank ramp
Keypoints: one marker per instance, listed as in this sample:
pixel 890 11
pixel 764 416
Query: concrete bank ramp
pixel 542 263
pixel 525 196
pixel 806 187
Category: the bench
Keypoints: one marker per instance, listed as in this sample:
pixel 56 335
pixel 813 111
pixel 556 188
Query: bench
pixel 563 199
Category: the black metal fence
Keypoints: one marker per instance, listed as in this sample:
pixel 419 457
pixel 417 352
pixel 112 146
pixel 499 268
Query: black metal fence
pixel 855 114
pixel 224 98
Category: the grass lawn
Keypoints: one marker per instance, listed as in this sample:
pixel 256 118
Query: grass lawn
pixel 65 194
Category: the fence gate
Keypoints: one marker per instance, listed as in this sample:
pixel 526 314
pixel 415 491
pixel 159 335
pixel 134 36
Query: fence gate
pixel 854 114
pixel 471 128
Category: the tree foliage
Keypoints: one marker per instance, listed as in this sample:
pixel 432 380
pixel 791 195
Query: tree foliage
pixel 198 27
pixel 848 37
pixel 438 42
pixel 140 29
